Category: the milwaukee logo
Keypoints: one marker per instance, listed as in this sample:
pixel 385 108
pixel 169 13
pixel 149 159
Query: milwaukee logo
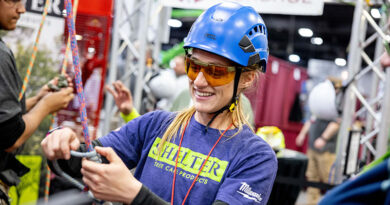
pixel 246 191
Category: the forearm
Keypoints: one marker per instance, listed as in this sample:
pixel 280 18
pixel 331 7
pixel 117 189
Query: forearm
pixel 331 130
pixel 31 102
pixel 32 120
pixel 145 196
pixel 304 130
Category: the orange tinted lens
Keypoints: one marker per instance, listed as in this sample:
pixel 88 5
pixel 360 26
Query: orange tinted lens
pixel 215 75
pixel 218 75
pixel 192 69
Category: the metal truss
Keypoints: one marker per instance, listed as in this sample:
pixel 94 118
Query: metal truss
pixel 134 22
pixel 374 114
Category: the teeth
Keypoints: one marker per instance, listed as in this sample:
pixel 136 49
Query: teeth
pixel 202 94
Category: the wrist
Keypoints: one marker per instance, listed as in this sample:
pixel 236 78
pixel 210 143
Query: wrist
pixel 134 188
pixel 40 95
pixel 129 117
pixel 126 111
pixel 43 106
pixel 323 138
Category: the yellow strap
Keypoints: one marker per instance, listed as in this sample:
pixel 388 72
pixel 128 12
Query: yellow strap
pixel 233 106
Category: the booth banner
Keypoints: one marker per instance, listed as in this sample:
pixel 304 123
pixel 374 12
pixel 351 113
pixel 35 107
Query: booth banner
pixel 290 7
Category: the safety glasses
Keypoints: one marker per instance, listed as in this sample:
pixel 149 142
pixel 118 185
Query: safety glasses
pixel 216 75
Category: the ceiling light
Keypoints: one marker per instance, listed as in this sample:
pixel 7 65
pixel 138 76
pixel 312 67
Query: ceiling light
pixel 375 13
pixel 340 62
pixel 305 32
pixel 316 41
pixel 174 23
pixel 294 58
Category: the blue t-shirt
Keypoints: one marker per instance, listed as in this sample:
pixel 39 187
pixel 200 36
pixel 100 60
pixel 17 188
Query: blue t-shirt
pixel 240 170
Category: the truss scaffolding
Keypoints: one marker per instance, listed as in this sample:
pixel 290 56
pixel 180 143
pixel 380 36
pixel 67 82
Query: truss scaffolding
pixel 139 27
pixel 372 120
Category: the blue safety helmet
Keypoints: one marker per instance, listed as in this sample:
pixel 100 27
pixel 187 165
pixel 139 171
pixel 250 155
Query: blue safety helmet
pixel 233 31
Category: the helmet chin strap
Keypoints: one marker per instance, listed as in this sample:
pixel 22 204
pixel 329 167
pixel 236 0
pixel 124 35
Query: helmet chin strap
pixel 233 103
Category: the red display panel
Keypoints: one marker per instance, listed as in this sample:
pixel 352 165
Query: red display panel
pixel 274 100
pixel 93 28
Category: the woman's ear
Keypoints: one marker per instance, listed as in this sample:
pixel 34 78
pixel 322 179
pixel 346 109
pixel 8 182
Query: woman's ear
pixel 247 79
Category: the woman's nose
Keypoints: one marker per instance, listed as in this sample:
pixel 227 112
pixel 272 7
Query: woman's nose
pixel 200 80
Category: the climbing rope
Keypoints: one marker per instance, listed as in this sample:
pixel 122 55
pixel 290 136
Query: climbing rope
pixel 76 65
pixel 65 61
pixel 35 49
pixel 48 171
pixel 53 123
pixel 91 154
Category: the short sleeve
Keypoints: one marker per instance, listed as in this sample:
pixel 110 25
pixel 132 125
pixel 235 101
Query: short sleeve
pixel 12 129
pixel 10 84
pixel 131 140
pixel 251 181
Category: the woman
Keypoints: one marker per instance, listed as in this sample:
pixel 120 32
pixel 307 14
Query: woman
pixel 210 143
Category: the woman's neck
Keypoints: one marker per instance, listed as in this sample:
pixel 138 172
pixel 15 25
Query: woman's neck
pixel 221 122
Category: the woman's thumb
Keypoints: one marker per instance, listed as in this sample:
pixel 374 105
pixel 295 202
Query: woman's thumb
pixel 108 153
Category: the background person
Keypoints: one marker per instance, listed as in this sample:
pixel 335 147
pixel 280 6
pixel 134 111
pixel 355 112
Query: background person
pixel 123 100
pixel 322 129
pixel 169 83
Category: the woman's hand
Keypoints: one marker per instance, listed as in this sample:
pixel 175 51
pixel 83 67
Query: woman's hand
pixel 110 182
pixel 58 144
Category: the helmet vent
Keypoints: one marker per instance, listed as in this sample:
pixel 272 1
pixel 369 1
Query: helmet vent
pixel 263 30
pixel 250 33
pixel 246 45
pixel 254 59
pixel 255 29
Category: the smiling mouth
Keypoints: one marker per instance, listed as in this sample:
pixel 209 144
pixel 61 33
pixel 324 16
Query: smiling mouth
pixel 203 94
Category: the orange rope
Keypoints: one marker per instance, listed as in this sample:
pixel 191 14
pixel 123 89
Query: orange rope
pixel 35 49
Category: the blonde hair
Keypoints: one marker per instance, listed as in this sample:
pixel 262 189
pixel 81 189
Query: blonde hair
pixel 177 125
